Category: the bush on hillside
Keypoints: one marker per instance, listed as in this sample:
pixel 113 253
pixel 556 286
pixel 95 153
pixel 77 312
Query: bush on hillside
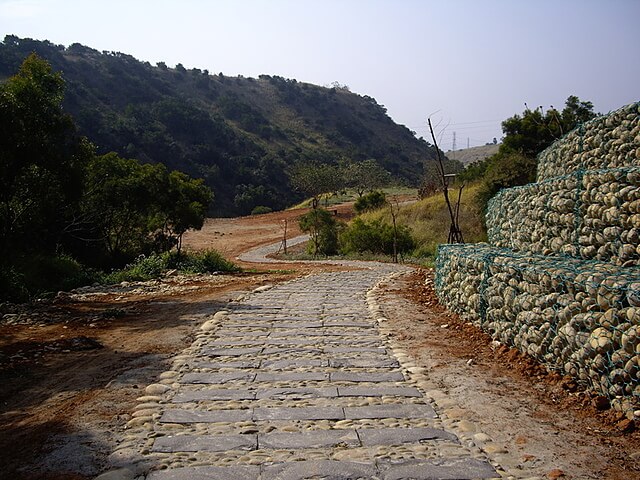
pixel 375 237
pixel 260 210
pixel 323 229
pixel 370 201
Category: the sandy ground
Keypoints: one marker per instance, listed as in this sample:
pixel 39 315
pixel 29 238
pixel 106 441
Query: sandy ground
pixel 71 369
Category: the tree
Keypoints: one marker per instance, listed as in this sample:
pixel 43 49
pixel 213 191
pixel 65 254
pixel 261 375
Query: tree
pixel 364 176
pixel 371 201
pixel 315 180
pixel 535 130
pixel 323 229
pixel 455 234
pixel 141 207
pixel 121 196
pixel 42 161
pixel 184 207
pixel 526 135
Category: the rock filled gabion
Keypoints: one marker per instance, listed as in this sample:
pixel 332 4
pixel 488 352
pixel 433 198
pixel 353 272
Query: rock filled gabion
pixel 588 214
pixel 609 141
pixel 578 317
pixel 560 278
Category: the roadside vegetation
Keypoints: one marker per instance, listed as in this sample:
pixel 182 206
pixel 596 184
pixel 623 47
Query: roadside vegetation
pixel 67 215
pixel 385 228
pixel 525 136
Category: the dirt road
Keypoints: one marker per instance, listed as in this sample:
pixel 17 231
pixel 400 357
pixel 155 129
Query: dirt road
pixel 71 369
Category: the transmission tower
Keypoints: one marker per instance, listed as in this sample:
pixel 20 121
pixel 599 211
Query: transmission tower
pixel 454 142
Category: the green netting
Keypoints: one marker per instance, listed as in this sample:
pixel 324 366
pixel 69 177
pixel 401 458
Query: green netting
pixel 609 141
pixel 591 214
pixel 578 317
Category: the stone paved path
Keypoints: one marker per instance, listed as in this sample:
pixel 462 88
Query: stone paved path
pixel 295 382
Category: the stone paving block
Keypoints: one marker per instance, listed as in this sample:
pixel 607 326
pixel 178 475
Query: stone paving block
pixel 390 411
pixel 333 350
pixel 290 350
pixel 331 341
pixel 325 469
pixel 299 324
pixel 297 392
pixel 313 439
pixel 397 436
pixel 252 325
pixel 295 362
pixel 248 472
pixel 201 416
pixel 379 391
pixel 213 394
pixel 291 376
pixel 237 332
pixel 232 364
pixel 216 378
pixel 364 363
pixel 292 341
pixel 204 443
pixel 446 469
pixel 307 332
pixel 367 377
pixel 231 352
pixel 343 323
pixel 299 413
pixel 233 343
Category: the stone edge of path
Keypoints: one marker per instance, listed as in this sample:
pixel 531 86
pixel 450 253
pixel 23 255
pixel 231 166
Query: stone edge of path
pixel 446 409
pixel 128 462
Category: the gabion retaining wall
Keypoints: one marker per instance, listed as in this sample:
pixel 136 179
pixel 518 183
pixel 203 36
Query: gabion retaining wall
pixel 588 214
pixel 560 279
pixel 578 317
pixel 608 141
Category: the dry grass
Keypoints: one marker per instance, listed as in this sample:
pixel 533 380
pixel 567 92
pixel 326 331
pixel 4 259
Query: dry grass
pixel 429 220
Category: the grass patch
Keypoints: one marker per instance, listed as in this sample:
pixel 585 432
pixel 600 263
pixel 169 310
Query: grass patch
pixel 154 266
pixel 429 220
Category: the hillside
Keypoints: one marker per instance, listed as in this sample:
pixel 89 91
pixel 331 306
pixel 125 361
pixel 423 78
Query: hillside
pixel 473 154
pixel 240 134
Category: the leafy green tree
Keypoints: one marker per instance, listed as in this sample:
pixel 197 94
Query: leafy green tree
pixel 141 207
pixel 365 176
pixel 526 135
pixel 535 130
pixel 315 180
pixel 121 200
pixel 184 206
pixel 371 201
pixel 42 161
pixel 323 229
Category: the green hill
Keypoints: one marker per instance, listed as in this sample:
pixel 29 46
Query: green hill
pixel 240 134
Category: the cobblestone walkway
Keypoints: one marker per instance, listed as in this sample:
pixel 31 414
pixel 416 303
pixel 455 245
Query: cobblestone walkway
pixel 295 382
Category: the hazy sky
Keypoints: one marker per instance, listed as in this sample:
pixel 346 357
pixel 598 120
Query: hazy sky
pixel 474 62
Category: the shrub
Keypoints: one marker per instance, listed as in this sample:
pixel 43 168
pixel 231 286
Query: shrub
pixel 41 274
pixel 259 210
pixel 323 228
pixel 142 269
pixel 154 266
pixel 370 201
pixel 375 237
pixel 207 261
